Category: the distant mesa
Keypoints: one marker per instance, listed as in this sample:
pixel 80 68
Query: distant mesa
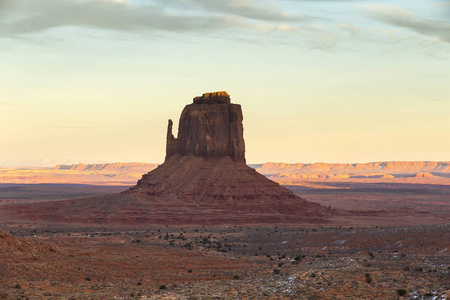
pixel 108 167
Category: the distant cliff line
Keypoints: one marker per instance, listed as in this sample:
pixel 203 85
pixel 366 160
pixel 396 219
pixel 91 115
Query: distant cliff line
pixel 276 167
pixel 422 172
pixel 133 166
pixel 385 166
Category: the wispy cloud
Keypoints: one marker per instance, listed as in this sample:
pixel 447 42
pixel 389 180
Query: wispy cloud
pixel 260 21
pixel 29 16
pixel 20 17
pixel 260 10
pixel 401 17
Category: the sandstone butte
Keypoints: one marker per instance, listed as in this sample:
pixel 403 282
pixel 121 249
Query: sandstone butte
pixel 203 180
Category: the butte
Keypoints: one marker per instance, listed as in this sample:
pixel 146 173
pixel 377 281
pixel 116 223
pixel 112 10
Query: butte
pixel 204 180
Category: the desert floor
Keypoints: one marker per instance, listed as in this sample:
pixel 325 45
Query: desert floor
pixel 401 244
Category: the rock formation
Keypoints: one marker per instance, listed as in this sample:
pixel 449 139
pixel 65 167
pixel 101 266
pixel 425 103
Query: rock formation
pixel 204 180
pixel 205 166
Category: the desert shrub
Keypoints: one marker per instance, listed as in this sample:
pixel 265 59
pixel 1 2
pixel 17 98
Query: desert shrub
pixel 406 268
pixel 312 275
pixel 369 280
pixel 428 294
pixel 297 258
pixel 236 277
pixel 190 271
pixel 162 287
pixel 88 279
pixel 367 275
pixel 401 292
pixel 276 271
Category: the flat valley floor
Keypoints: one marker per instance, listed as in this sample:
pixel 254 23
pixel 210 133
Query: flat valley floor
pixel 397 247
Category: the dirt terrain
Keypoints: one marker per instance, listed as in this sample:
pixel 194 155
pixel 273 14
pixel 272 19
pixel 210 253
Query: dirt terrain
pixel 226 263
pixel 392 239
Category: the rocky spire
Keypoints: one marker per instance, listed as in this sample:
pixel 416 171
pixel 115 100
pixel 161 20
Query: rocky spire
pixel 210 127
pixel 171 146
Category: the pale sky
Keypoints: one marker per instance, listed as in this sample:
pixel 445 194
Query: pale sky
pixel 319 81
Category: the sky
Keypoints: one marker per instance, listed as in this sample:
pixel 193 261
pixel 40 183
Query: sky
pixel 95 81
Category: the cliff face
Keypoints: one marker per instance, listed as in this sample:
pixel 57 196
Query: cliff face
pixel 210 127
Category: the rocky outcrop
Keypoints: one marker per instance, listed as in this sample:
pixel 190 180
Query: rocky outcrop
pixel 205 168
pixel 204 180
pixel 13 246
pixel 210 127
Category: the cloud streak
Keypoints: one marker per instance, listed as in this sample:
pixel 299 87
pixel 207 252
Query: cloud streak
pixel 22 17
pixel 401 17
pixel 29 16
pixel 262 10
pixel 259 21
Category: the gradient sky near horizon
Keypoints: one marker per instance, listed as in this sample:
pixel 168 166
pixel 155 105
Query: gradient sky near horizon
pixel 319 81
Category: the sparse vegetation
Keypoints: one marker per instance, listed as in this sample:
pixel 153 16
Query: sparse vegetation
pixel 350 264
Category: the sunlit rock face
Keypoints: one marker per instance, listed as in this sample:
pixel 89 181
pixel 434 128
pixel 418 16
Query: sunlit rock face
pixel 210 127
